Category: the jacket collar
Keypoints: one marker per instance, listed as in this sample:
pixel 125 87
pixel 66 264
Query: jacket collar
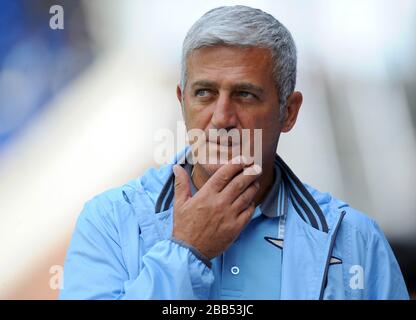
pixel 303 202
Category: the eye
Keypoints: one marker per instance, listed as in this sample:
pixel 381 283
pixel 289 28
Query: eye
pixel 245 94
pixel 202 93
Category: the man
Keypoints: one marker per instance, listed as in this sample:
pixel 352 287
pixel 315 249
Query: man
pixel 207 230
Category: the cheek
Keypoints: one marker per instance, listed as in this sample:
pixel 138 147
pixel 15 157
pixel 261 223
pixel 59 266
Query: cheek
pixel 269 122
pixel 193 115
pixel 197 118
pixel 271 127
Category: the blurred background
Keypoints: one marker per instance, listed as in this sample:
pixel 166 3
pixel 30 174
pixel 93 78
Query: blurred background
pixel 80 107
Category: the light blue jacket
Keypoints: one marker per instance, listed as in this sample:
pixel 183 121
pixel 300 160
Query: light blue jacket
pixel 122 249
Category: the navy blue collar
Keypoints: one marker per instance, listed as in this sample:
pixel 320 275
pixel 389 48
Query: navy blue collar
pixel 303 202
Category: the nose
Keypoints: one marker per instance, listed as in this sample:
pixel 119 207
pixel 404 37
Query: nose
pixel 224 116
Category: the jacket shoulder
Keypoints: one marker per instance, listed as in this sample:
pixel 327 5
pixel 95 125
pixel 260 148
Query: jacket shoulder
pixel 354 219
pixel 115 203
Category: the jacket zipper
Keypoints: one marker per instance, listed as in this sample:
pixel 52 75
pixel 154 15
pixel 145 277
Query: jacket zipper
pixel 328 259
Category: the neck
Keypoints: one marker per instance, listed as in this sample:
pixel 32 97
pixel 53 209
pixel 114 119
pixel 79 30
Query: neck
pixel 266 180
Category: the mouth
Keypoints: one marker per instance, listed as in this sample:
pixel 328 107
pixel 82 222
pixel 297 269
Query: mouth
pixel 223 147
pixel 224 142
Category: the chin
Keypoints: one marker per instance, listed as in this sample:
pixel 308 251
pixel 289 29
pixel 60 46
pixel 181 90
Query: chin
pixel 215 157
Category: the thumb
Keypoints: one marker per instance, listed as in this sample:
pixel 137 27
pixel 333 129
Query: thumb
pixel 182 186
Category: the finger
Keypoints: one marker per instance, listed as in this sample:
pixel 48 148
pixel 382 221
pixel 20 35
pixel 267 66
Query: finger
pixel 245 199
pixel 240 183
pixel 244 217
pixel 182 185
pixel 225 173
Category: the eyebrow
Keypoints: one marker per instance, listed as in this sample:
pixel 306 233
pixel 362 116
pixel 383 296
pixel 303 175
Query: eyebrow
pixel 204 83
pixel 242 86
pixel 245 86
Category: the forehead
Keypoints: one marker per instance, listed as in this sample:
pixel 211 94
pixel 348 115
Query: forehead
pixel 230 63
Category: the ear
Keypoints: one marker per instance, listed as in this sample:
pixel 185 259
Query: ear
pixel 293 105
pixel 179 93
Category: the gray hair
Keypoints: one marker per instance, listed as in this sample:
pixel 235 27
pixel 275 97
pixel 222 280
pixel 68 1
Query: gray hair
pixel 246 27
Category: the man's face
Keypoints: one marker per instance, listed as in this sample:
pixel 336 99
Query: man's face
pixel 232 88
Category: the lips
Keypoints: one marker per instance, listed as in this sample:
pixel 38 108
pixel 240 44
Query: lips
pixel 224 142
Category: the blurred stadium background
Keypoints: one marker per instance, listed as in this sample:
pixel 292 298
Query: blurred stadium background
pixel 79 109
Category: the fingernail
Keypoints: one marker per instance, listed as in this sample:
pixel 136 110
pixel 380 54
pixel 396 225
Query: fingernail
pixel 257 169
pixel 253 170
pixel 174 169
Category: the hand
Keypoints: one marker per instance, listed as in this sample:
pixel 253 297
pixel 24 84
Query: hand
pixel 212 219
